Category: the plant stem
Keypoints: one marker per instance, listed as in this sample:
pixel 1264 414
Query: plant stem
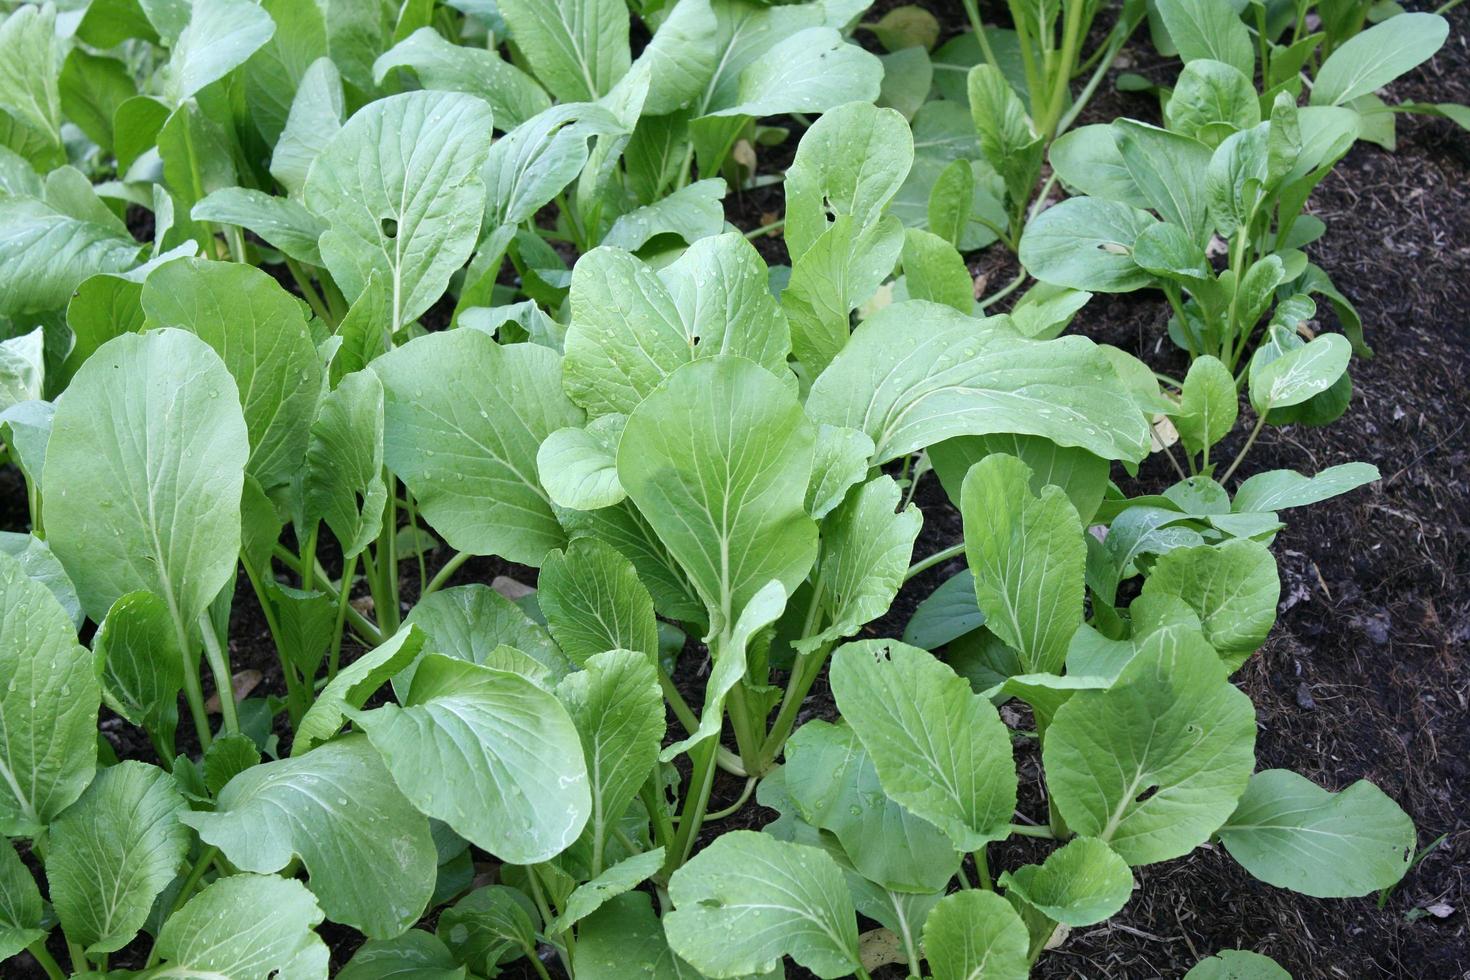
pixel 193 688
pixel 1249 441
pixel 1027 830
pixel 295 697
pixel 224 682
pixel 343 600
pixel 691 817
pixel 359 622
pixel 739 802
pixel 764 230
pixel 445 574
pixel 1004 291
pixel 313 298
pixel 47 961
pixel 982 869
pixel 938 558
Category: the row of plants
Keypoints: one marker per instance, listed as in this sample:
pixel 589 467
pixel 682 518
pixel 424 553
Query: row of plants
pixel 291 318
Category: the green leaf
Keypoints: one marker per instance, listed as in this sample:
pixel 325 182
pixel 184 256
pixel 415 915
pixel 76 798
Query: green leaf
pixel 1087 159
pixel 471 622
pixel 842 269
pixel 850 163
pixel 444 66
pixel 840 461
pixel 1370 60
pixel 1028 557
pixel 1007 140
pixel 835 786
pixel 21 911
pixel 260 332
pixel 908 75
pixel 210 937
pixel 141 665
pixel 951 201
pixel 48 253
pixel 274 73
pixel 489 926
pixel 1233 587
pixel 632 327
pixel 220 36
pixel 717 460
pixel 1080 474
pixel 1211 100
pixel 748 899
pixel 133 500
pixel 22 368
pixel 577 48
pixel 961 376
pixel 1078 884
pixel 1086 243
pixel 812 70
pixel 976 935
pixel 1209 29
pixel 1153 791
pixel 1291 833
pixel 488 752
pixel 343 480
pixel 593 601
pixel 279 221
pixel 934 271
pixel 357 682
pixel 112 852
pixel 624 940
pixel 691 213
pixel 1167 168
pixel 460 396
pixel 1237 964
pixel 618 709
pixel 1280 489
pixel 415 955
pixel 315 117
pixel 1291 377
pixel 578 467
pixel 31 56
pixel 947 614
pixel 940 751
pixel 367 851
pixel 617 880
pixel 92 87
pixel 633 537
pixel 1208 405
pixel 399 189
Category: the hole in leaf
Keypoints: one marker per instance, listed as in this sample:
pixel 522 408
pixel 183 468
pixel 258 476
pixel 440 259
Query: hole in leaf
pixel 1146 795
pixel 389 227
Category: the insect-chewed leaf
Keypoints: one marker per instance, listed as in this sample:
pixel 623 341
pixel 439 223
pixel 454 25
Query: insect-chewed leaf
pixel 976 935
pixel 523 795
pixel 1154 764
pixel 463 420
pixel 593 602
pixel 1233 587
pixel 367 851
pixel 748 899
pixel 955 375
pixel 1294 834
pixel 400 190
pixel 113 851
pixel 144 473
pixel 1086 243
pixel 940 750
pixel 1237 964
pixel 213 936
pixel 1078 884
pixel 1028 557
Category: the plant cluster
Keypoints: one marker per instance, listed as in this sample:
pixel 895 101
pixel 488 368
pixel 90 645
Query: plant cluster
pixel 349 342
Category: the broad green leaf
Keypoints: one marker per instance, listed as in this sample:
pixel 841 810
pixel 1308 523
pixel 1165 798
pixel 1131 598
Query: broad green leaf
pixel 593 602
pixel 1167 169
pixel 1211 100
pixel 400 191
pixel 578 466
pixel 1154 764
pixel 851 162
pixel 209 937
pixel 343 479
pixel 21 911
pixel 577 48
pixel 366 850
pixel 1027 555
pixel 961 376
pixel 227 757
pixel 976 935
pixel 840 461
pixel 141 665
pixel 490 926
pixel 1291 833
pixel 691 213
pixel 843 268
pixel 618 709
pixel 1280 489
pixel 415 955
pixel 461 397
pixel 717 460
pixel 488 752
pixel 1087 159
pixel 812 70
pixel 534 162
pixel 357 682
pixel 624 940
pixel 220 36
pixel 617 880
pixel 908 75
pixel 1078 884
pixel 113 851
pixel 867 542
pixel 260 332
pixel 632 327
pixel 1080 474
pixel 92 87
pixel 274 73
pixel 951 201
pixel 315 117
pixel 135 498
pixel 30 69
pixel 36 559
pixel 1292 377
pixel 1232 586
pixel 940 751
pixel 680 58
pixel 1086 243
pixel 279 221
pixel 633 537
pixel 1006 137
pixel 444 66
pixel 834 785
pixel 748 899
pixel 934 271
pixel 1370 60
pixel 1209 29
pixel 22 368
pixel 470 622
pixel 948 613
pixel 1208 405
pixel 1237 964
pixel 47 253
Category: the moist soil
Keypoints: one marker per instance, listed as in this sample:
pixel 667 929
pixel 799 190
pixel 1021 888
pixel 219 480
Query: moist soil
pixel 1365 675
